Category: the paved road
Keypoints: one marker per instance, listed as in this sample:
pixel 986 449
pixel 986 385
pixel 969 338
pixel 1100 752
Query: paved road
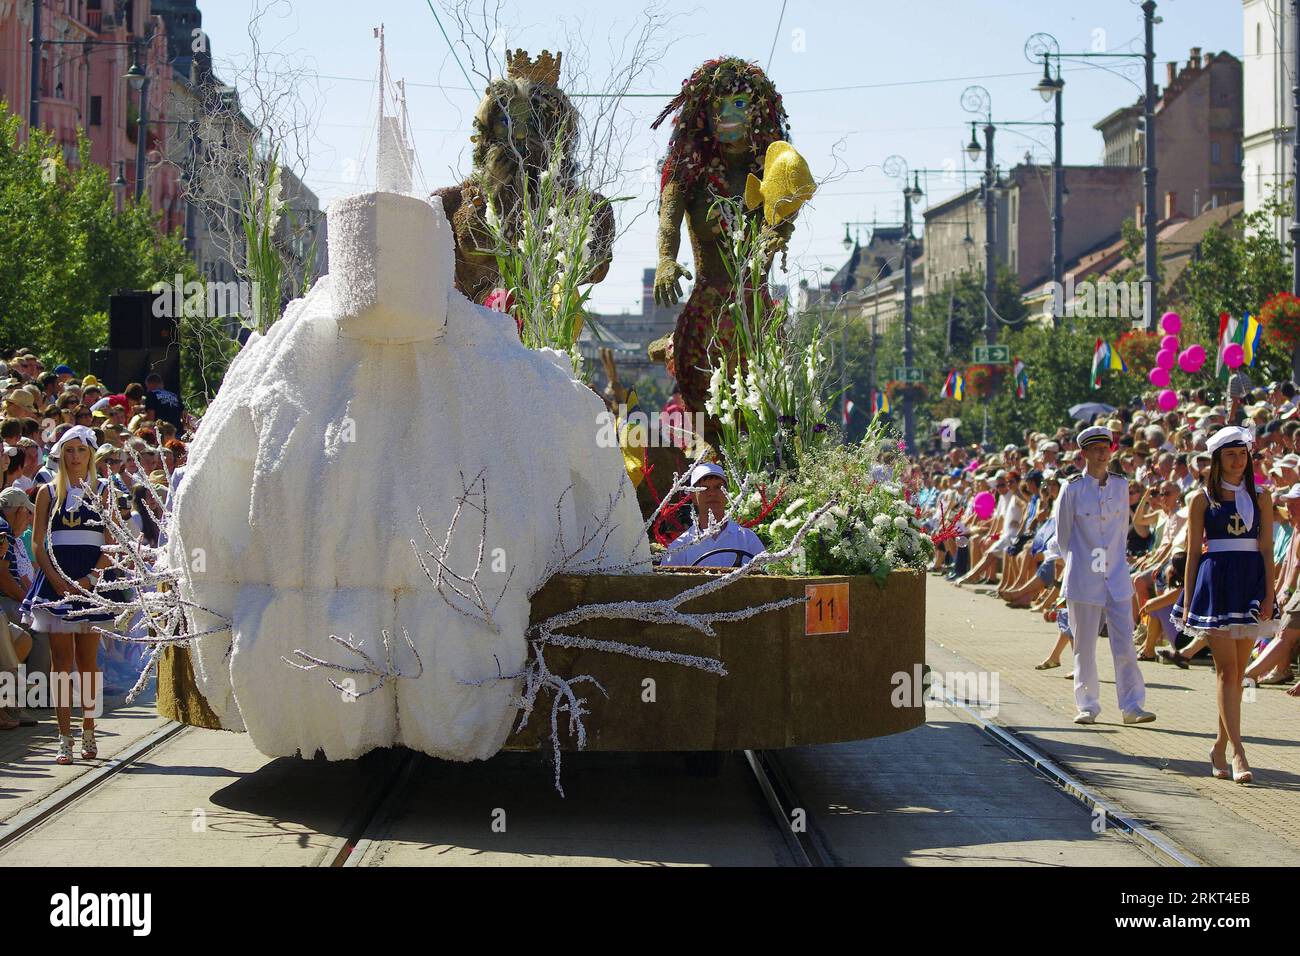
pixel 1159 771
pixel 940 794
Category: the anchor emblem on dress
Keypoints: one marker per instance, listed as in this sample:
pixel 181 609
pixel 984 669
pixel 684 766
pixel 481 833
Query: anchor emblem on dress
pixel 1236 525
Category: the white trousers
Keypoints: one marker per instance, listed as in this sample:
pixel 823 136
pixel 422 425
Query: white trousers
pixel 1085 622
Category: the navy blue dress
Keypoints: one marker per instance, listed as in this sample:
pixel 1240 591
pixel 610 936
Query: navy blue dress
pixel 1230 584
pixel 75 538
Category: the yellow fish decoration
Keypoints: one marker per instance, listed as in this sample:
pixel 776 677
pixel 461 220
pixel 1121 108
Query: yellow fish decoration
pixel 786 185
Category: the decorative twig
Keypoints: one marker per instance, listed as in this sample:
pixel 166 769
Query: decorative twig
pixel 444 578
pixel 385 673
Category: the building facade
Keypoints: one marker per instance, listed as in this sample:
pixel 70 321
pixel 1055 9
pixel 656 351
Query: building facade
pixel 1098 200
pixel 1269 120
pixel 86 48
pixel 1199 147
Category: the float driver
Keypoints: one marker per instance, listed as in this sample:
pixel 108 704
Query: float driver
pixel 706 544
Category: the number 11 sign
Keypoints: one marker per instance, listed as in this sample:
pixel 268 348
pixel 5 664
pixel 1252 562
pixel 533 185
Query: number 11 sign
pixel 827 610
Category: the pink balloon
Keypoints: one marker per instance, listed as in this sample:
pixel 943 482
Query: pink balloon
pixel 1165 358
pixel 1159 377
pixel 1197 353
pixel 984 504
pixel 1167 400
pixel 1233 355
pixel 1187 363
pixel 1171 323
pixel 1169 342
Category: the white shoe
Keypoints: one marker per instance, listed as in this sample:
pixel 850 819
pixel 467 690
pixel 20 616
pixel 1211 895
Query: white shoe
pixel 64 756
pixel 1085 717
pixel 89 748
pixel 1138 716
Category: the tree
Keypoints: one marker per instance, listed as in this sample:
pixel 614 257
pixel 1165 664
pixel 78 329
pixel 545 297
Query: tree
pixel 1238 267
pixel 65 247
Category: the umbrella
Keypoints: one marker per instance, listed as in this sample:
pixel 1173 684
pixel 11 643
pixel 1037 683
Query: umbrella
pixel 1087 411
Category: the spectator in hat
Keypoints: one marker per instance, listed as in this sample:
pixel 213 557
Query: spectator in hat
pixel 13 465
pixel 64 374
pixel 19 404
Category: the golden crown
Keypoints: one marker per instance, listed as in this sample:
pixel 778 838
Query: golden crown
pixel 545 69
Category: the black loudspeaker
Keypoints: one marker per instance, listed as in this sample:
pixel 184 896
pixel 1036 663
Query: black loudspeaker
pixel 128 319
pixel 116 368
pixel 164 332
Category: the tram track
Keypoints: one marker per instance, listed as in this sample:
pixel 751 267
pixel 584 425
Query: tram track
pixel 1164 851
pixel 791 814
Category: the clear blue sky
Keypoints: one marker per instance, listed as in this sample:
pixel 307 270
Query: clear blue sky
pixel 876 78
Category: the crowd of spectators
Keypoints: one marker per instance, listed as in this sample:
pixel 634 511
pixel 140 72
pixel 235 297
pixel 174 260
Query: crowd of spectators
pixel 1164 457
pixel 139 440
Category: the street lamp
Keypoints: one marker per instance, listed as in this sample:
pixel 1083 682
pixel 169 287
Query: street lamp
pixel 976 99
pixel 1047 86
pixel 896 167
pixel 135 76
pixel 138 80
pixel 1045 45
pixel 120 181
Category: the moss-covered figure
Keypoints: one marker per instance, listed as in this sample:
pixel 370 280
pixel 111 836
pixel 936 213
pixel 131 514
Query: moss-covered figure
pixel 728 113
pixel 520 123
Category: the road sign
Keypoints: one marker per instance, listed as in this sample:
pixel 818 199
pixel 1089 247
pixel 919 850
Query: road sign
pixel 909 374
pixel 993 354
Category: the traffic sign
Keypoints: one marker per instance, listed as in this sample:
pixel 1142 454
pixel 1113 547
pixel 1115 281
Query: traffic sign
pixel 909 374
pixel 993 354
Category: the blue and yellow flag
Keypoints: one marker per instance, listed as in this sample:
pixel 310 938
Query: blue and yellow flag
pixel 1105 358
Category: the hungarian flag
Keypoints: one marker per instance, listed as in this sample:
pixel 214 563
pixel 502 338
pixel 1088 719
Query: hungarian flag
pixel 955 386
pixel 848 410
pixel 1105 358
pixel 1022 379
pixel 1246 332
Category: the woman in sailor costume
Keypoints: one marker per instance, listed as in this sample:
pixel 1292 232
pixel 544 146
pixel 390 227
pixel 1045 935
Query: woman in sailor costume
pixel 1228 591
pixel 68 538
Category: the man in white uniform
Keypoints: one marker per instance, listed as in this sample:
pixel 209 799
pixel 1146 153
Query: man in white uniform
pixel 1092 520
pixel 735 544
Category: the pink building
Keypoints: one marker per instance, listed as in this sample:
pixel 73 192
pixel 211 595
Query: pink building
pixel 86 52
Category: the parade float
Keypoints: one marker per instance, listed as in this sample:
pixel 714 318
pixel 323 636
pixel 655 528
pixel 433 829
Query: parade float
pixel 399 525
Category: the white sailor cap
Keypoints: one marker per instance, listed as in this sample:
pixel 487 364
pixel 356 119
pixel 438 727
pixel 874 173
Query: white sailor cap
pixel 1232 436
pixel 1095 433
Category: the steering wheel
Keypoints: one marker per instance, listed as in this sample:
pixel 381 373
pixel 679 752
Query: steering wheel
pixel 740 554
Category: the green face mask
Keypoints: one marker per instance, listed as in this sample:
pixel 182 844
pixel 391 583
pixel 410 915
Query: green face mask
pixel 731 118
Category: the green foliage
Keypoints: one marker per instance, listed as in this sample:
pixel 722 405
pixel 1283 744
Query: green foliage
pixel 947 325
pixel 65 247
pixel 1236 270
pixel 264 206
pixel 870 529
pixel 767 393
